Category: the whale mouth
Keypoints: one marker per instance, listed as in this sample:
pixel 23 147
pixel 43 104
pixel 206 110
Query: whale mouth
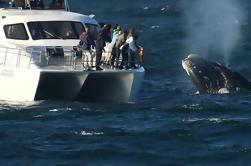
pixel 186 64
pixel 189 66
pixel 192 71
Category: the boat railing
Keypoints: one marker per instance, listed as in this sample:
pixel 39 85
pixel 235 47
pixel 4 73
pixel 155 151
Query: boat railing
pixel 67 59
pixel 35 58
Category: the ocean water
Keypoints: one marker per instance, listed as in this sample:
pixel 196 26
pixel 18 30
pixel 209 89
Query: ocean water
pixel 169 124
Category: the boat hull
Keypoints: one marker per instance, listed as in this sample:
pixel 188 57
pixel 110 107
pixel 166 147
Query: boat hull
pixel 112 86
pixel 17 84
pixel 91 86
pixel 59 85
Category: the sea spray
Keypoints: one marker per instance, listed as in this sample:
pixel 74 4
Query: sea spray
pixel 212 27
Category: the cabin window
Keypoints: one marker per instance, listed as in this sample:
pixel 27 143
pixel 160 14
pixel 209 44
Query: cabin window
pixel 15 31
pixel 55 30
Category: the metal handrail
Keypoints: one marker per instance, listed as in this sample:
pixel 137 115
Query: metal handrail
pixel 32 55
pixel 41 58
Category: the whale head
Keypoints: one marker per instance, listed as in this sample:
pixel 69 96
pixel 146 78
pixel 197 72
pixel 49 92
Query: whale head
pixel 209 77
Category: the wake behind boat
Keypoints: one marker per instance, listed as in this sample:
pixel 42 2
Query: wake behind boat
pixel 38 62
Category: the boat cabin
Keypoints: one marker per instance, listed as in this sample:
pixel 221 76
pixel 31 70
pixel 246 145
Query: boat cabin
pixel 47 32
pixel 38 27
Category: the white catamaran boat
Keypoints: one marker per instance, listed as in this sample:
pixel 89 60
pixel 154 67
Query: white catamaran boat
pixel 37 60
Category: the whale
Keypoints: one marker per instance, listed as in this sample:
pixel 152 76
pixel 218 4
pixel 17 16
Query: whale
pixel 213 77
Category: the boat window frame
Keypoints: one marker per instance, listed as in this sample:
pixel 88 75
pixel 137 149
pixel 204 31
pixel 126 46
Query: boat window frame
pixel 15 38
pixel 71 23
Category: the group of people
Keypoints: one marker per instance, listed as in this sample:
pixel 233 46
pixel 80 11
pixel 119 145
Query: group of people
pixel 56 4
pixel 37 4
pixel 122 43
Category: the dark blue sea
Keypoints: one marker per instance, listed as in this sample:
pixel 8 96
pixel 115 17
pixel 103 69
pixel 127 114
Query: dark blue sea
pixel 169 124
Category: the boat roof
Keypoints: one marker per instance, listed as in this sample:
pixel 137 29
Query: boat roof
pixel 20 15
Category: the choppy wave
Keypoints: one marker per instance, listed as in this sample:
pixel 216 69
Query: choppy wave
pixel 168 125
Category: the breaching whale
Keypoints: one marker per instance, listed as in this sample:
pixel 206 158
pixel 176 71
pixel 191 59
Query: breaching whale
pixel 213 77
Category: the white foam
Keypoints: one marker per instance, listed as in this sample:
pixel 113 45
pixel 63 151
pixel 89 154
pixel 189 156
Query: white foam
pixel 54 110
pixel 146 8
pixel 213 120
pixel 86 109
pixel 61 109
pixel 38 116
pixel 155 27
pixel 223 91
pixel 194 107
pixel 86 133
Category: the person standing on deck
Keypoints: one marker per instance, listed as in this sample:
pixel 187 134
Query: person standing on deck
pixel 115 33
pixel 38 4
pixel 56 4
pixel 86 43
pixel 120 41
pixel 133 48
pixel 103 36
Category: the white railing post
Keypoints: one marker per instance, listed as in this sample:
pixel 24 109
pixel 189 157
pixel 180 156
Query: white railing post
pixel 5 57
pixel 18 55
pixel 31 51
